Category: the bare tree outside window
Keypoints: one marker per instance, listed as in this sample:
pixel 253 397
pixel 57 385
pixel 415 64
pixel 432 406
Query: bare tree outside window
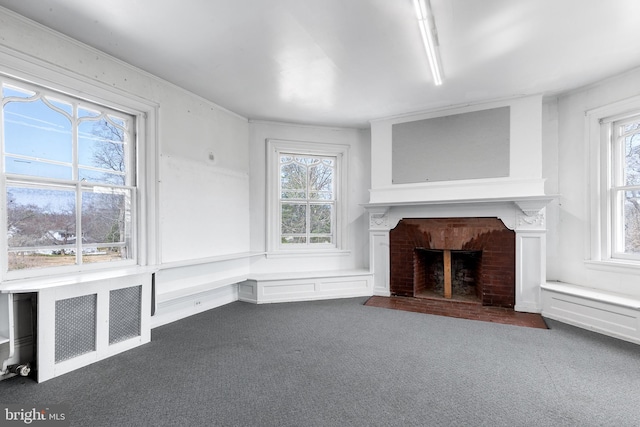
pixel 630 191
pixel 307 199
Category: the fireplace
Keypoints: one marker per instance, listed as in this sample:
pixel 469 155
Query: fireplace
pixel 454 258
pixel 505 236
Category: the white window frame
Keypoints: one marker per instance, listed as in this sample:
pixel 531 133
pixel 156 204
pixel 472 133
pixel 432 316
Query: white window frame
pixel 276 147
pixel 602 226
pixel 32 71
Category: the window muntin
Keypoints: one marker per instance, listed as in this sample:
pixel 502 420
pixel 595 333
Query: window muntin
pixel 307 201
pixel 624 190
pixel 68 171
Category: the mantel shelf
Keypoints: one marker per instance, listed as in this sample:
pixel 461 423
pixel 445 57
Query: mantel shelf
pixel 523 202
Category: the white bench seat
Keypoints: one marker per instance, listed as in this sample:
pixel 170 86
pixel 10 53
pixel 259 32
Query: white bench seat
pixel 610 313
pixel 302 286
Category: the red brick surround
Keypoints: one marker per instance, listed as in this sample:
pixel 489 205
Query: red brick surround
pixel 496 275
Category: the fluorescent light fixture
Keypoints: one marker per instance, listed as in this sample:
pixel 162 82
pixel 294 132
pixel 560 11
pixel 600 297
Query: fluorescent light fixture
pixel 427 29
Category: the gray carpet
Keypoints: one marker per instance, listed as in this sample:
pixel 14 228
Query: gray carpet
pixel 339 363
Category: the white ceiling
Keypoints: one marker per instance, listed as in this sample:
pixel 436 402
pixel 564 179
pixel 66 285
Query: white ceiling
pixel 345 62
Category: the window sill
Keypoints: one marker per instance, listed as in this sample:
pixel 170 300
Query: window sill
pixel 38 283
pixel 298 253
pixel 614 266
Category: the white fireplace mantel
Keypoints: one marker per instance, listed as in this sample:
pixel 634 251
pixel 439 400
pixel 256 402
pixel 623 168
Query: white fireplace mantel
pixel 515 212
pixel 524 214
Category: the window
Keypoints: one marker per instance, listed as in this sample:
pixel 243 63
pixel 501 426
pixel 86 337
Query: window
pixel 614 181
pixel 624 188
pixel 306 196
pixel 69 181
pixel 307 200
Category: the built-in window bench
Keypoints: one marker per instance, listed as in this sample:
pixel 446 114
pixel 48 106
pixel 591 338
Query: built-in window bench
pixel 304 286
pixel 185 288
pixel 609 313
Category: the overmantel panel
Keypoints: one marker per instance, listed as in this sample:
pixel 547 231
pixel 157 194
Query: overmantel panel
pixel 525 134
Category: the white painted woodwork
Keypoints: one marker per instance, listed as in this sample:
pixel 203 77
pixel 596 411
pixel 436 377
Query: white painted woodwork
pixel 47 297
pixel 606 312
pixel 287 287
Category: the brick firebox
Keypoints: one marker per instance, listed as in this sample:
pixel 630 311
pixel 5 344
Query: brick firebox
pixel 489 236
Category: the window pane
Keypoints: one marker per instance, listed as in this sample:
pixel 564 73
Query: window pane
pixel 34 129
pixel 92 255
pixel 321 181
pixel 19 260
pixel 294 218
pixel 86 112
pixel 293 181
pixel 321 219
pixel 36 168
pixel 632 155
pixel 307 161
pixel 106 218
pixel 64 106
pixel 632 222
pixel 323 239
pixel 294 239
pixel 40 218
pixel 17 92
pixel 101 177
pixel 101 144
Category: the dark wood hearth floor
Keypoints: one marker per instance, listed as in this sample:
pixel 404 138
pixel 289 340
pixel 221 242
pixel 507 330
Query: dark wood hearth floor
pixel 460 309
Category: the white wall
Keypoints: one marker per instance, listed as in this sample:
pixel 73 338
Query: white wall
pixel 573 232
pixel 358 184
pixel 550 175
pixel 203 204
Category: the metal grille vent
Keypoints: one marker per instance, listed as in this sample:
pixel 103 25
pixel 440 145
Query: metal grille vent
pixel 124 313
pixel 75 327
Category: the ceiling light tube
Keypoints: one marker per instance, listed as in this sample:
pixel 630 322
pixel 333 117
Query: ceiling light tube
pixel 427 30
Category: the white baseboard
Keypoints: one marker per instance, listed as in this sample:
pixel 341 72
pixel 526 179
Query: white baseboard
pixel 607 313
pixel 179 308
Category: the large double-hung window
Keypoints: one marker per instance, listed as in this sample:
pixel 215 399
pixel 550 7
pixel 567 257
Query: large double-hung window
pixel 68 186
pixel 624 188
pixel 307 199
pixel 306 196
pixel 614 182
